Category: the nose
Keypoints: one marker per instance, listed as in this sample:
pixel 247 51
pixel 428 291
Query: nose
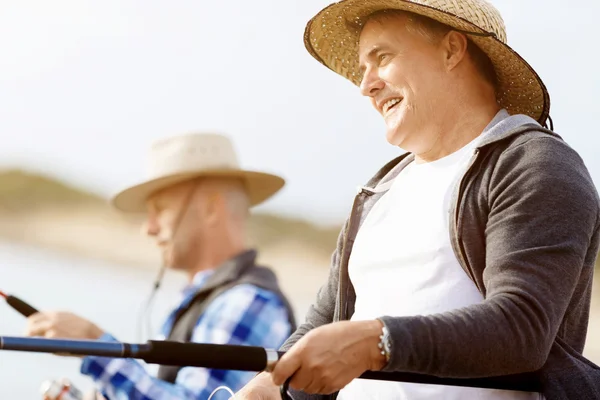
pixel 371 83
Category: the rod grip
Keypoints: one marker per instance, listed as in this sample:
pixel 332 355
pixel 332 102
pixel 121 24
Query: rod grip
pixel 221 356
pixel 20 306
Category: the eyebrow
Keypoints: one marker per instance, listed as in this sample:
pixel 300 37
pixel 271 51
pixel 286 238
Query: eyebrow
pixel 376 49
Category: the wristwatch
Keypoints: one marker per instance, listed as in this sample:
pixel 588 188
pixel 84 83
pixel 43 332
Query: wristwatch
pixel 385 343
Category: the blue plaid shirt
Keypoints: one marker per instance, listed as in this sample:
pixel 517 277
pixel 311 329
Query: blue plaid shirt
pixel 244 314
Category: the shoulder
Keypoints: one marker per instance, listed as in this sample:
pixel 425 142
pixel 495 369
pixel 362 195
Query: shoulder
pixel 540 165
pixel 541 144
pixel 246 298
pixel 544 156
pixel 249 290
pixel 247 314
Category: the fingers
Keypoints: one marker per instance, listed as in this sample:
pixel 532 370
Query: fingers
pixel 37 318
pixel 38 326
pixel 326 385
pixel 61 325
pixel 311 379
pixel 302 380
pixel 52 333
pixel 286 366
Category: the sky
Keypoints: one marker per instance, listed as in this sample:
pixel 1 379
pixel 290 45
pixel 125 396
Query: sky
pixel 86 86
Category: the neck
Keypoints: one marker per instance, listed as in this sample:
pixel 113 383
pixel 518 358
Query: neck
pixel 219 253
pixel 461 124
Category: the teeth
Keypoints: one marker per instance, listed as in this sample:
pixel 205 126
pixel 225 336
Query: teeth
pixel 390 103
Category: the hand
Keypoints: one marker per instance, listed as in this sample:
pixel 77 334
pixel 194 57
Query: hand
pixel 62 325
pixel 259 388
pixel 329 357
pixel 93 395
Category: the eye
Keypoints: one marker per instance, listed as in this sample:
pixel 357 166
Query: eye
pixel 382 58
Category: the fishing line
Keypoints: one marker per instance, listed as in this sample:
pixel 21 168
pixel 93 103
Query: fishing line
pixel 223 388
pixel 146 312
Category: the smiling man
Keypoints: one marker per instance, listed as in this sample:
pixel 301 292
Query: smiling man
pixel 472 254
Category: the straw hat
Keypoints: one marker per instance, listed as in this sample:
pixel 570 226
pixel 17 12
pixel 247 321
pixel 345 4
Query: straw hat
pixel 180 158
pixel 332 38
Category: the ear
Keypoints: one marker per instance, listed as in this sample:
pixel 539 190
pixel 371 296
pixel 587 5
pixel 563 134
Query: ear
pixel 455 47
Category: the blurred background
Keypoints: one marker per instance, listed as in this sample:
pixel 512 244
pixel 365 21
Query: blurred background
pixel 86 86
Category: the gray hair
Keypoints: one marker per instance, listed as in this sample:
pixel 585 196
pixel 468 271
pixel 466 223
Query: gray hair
pixel 233 191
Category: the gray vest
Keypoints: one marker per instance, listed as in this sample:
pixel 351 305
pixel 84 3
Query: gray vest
pixel 239 270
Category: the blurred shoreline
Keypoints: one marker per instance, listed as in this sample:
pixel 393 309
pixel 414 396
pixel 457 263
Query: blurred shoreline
pixel 42 211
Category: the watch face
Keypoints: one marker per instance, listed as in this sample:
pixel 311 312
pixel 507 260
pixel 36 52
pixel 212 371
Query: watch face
pixel 387 344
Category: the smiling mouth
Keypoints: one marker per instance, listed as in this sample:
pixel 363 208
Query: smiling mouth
pixel 390 105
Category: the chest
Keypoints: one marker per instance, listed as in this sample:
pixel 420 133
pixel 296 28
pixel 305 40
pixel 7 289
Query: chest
pixel 402 261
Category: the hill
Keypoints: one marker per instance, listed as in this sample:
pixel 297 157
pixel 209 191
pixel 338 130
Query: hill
pixel 26 199
pixel 21 191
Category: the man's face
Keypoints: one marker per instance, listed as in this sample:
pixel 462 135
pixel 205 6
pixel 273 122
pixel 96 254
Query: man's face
pixel 404 76
pixel 173 222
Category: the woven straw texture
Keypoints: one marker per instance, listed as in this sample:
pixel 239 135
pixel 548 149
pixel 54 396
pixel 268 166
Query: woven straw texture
pixel 332 38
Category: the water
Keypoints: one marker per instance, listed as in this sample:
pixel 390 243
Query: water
pixel 109 295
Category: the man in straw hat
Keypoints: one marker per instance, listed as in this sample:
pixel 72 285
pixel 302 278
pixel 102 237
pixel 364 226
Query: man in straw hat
pixel 469 256
pixel 197 201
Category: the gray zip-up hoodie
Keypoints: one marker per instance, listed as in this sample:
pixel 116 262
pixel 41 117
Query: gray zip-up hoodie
pixel 525 229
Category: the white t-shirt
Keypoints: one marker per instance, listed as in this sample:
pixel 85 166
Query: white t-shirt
pixel 402 264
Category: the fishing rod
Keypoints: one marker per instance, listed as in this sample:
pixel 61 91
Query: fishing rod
pixel 234 357
pixel 19 305
pixel 229 357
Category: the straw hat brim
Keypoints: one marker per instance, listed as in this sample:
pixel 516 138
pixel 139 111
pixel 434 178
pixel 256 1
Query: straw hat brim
pixel 332 36
pixel 260 186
